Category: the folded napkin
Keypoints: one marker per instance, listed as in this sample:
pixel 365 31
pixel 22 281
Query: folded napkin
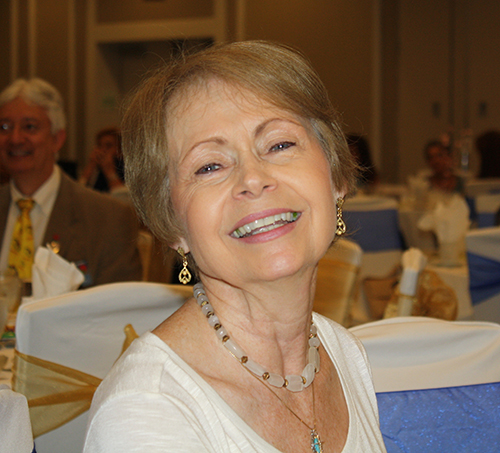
pixel 449 220
pixel 53 275
pixel 413 261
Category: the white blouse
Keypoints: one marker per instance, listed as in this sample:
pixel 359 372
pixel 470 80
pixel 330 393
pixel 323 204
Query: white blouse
pixel 153 402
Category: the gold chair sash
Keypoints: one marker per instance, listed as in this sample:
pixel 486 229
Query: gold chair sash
pixel 335 289
pixel 56 394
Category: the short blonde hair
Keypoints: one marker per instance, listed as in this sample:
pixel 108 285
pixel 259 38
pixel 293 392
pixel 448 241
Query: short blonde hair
pixel 274 72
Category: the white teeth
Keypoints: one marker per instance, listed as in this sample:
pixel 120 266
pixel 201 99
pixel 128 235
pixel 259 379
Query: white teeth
pixel 265 224
pixel 258 223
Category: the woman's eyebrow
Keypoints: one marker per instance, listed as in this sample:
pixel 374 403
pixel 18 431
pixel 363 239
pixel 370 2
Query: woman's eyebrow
pixel 262 126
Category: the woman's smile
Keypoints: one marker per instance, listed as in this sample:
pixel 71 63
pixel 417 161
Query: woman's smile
pixel 265 224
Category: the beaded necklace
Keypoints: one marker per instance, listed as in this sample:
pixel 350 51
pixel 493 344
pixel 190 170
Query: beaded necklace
pixel 292 382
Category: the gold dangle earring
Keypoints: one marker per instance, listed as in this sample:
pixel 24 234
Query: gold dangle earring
pixel 340 221
pixel 184 274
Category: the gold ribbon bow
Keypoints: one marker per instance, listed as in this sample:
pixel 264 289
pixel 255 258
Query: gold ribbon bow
pixel 56 394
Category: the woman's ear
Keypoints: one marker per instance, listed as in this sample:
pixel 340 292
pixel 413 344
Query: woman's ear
pixel 339 193
pixel 181 242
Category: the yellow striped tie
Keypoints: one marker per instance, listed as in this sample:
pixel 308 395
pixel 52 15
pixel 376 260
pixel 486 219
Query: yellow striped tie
pixel 22 247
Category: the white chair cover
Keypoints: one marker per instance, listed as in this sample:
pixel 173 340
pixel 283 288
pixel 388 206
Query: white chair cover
pixel 486 207
pixel 483 256
pixel 15 425
pixel 336 280
pixel 437 383
pixel 475 187
pixel 84 330
pixel 372 222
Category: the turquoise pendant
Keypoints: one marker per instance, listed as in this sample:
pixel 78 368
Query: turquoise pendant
pixel 316 445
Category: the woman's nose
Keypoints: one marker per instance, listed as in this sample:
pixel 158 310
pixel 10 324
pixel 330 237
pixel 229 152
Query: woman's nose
pixel 254 177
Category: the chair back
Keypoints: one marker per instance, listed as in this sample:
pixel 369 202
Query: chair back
pixel 84 331
pixel 483 256
pixel 475 187
pixel 336 280
pixel 437 383
pixel 372 222
pixel 15 425
pixel 486 207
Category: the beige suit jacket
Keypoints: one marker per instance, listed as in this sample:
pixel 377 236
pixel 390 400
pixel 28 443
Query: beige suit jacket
pixel 96 232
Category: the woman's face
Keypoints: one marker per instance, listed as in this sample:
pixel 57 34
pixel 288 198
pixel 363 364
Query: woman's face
pixel 251 186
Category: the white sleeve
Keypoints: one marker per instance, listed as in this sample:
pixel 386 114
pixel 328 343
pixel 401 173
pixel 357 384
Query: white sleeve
pixel 149 423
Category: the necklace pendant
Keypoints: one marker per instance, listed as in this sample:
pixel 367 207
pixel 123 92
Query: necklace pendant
pixel 316 445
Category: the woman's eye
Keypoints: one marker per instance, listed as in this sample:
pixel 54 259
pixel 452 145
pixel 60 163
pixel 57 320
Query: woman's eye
pixel 282 146
pixel 209 168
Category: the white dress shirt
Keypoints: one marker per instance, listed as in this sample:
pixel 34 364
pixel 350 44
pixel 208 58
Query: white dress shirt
pixel 44 198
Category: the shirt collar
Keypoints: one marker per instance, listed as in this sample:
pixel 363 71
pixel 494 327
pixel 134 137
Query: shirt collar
pixel 45 195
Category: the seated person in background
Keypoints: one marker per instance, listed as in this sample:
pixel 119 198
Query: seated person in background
pixel 235 158
pixel 94 231
pixel 104 171
pixel 358 145
pixel 488 147
pixel 440 161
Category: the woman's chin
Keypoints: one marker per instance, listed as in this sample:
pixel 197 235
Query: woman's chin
pixel 281 268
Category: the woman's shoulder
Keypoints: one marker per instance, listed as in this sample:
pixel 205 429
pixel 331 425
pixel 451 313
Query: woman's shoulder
pixel 138 369
pixel 333 332
pixel 342 346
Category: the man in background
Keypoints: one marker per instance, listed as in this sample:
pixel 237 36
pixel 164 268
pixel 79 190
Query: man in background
pixel 92 230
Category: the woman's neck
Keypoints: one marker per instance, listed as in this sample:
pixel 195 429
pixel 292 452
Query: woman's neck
pixel 270 322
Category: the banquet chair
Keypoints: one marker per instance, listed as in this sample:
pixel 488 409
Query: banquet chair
pixel 476 187
pixel 15 426
pixel 437 383
pixel 78 336
pixel 372 222
pixel 483 257
pixel 485 207
pixel 336 280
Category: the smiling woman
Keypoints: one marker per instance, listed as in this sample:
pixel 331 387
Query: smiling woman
pixel 234 157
